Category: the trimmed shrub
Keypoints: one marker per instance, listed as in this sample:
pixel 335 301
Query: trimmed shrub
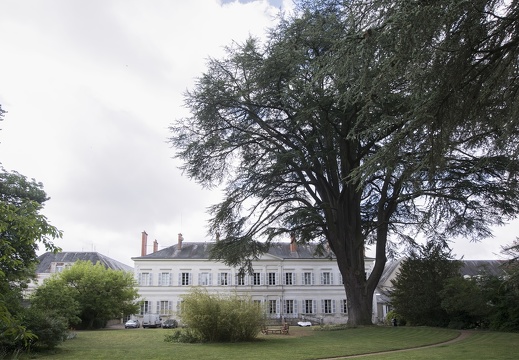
pixel 220 318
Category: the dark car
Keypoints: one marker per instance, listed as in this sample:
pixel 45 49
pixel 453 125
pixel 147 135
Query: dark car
pixel 170 324
pixel 132 324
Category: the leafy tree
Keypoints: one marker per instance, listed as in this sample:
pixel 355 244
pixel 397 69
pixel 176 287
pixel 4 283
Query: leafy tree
pixel 22 229
pixel 100 293
pixel 417 287
pixel 465 302
pixel 360 123
pixel 55 297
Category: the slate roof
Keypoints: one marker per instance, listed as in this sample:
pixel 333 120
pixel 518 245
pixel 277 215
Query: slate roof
pixel 200 250
pixel 468 268
pixel 478 267
pixel 48 258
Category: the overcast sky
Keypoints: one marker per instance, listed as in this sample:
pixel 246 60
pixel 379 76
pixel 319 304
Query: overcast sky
pixel 91 87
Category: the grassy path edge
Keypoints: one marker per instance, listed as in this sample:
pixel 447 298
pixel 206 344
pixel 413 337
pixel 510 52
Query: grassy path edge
pixel 463 334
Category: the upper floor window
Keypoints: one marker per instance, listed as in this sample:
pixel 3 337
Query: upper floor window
pixel 308 278
pixel 289 278
pixel 164 279
pixel 256 279
pixel 145 279
pixel 223 279
pixel 326 278
pixel 240 279
pixel 185 279
pixel 205 278
pixel 272 278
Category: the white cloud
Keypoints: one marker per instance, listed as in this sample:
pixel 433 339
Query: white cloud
pixel 90 88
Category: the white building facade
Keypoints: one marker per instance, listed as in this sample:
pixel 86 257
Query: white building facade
pixel 291 282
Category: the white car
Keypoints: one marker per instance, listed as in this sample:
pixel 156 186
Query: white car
pixel 304 323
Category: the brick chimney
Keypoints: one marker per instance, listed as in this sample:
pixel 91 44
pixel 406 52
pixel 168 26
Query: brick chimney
pixel 293 245
pixel 180 239
pixel 155 246
pixel 144 244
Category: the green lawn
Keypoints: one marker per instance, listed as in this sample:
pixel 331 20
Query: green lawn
pixel 302 343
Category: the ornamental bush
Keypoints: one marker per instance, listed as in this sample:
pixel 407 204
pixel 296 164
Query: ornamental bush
pixel 220 318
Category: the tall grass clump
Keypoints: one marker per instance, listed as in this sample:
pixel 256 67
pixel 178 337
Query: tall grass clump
pixel 220 317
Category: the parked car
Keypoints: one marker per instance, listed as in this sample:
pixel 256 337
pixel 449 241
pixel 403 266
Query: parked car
pixel 132 324
pixel 170 324
pixel 304 323
pixel 151 321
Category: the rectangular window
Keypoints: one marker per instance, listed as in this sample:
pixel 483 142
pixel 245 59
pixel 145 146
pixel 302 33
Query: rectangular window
pixel 344 306
pixel 309 306
pixel 257 303
pixel 145 307
pixel 326 278
pixel 308 278
pixel 289 307
pixel 164 307
pixel 223 279
pixel 165 279
pixel 272 306
pixel 256 279
pixel 185 279
pixel 289 278
pixel 240 279
pixel 327 306
pixel 272 278
pixel 205 279
pixel 145 279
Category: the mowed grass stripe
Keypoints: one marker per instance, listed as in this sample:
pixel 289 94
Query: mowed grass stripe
pixel 302 343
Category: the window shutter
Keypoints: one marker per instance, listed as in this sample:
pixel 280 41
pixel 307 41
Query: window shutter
pixel 322 278
pixel 160 279
pixel 140 279
pixel 262 279
pixel 314 306
pixel 170 279
pixel 333 306
pixel 331 278
pixel 179 278
pixel 199 279
pixel 322 306
pixel 210 279
pixel 277 306
pixel 313 279
pixel 277 279
pixel 295 307
pixel 150 279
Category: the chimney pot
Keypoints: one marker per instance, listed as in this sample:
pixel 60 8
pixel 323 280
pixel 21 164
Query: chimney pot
pixel 180 239
pixel 144 243
pixel 293 245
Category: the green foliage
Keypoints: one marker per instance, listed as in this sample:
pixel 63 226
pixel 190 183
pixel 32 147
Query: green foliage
pixel 358 122
pixel 400 320
pixel 54 295
pixel 92 292
pixel 417 287
pixel 50 328
pixel 22 229
pixel 220 318
pixel 465 302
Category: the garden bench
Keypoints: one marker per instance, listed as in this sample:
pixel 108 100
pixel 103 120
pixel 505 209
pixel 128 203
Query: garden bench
pixel 281 330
